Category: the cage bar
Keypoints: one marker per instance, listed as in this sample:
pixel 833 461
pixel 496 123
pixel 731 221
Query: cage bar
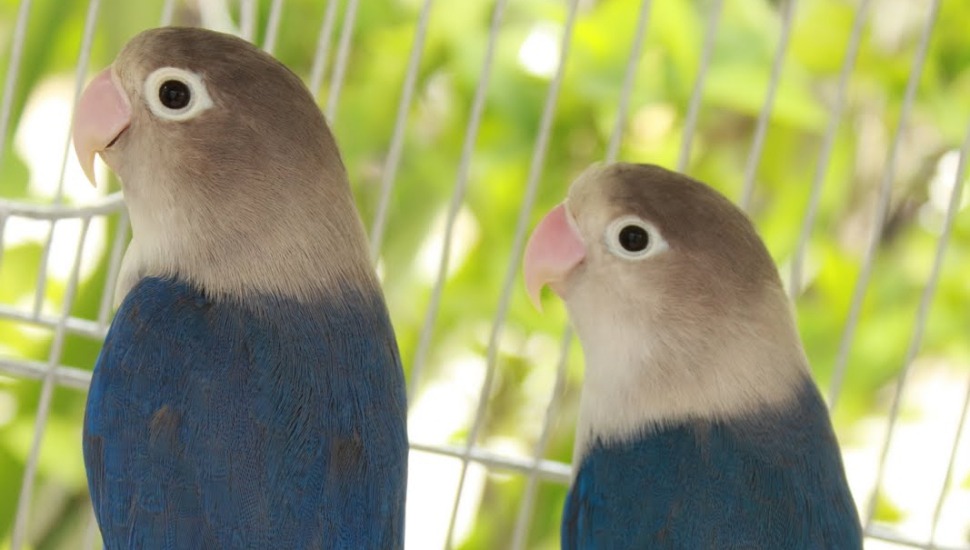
pixel 882 210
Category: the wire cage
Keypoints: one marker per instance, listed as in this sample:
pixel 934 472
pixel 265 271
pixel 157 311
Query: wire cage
pixel 841 126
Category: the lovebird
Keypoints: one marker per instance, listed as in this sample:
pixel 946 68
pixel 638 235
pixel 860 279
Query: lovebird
pixel 699 424
pixel 250 392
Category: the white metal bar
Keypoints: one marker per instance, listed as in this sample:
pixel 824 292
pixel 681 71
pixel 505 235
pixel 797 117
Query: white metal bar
pixel 697 93
pixel 323 48
pixel 518 243
pixel 916 340
pixel 81 327
pixel 879 532
pixel 527 507
pixel 247 19
pixel 948 478
pixel 91 533
pixel 788 8
pixel 105 205
pixel 882 209
pixel 458 194
pixel 397 137
pixel 46 395
pixel 80 379
pixel 343 53
pixel 524 519
pixel 273 26
pixel 114 266
pixel 626 90
pixel 168 13
pixel 808 223
pixel 70 377
pixel 549 470
pixel 3 227
pixel 13 72
pixel 80 75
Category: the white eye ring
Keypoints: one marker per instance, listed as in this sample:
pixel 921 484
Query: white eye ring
pixel 199 100
pixel 655 241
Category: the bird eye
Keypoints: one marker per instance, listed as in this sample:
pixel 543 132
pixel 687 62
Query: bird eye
pixel 176 94
pixel 631 238
pixel 634 238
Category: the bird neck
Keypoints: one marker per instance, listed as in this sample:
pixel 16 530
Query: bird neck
pixel 639 379
pixel 301 255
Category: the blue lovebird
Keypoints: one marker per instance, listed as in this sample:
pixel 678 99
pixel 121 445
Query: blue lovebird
pixel 249 393
pixel 700 426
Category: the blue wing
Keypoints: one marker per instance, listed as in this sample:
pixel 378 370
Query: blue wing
pixel 269 424
pixel 777 482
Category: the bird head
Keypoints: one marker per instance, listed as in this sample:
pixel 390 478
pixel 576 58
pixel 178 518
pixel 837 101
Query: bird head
pixel 675 299
pixel 230 173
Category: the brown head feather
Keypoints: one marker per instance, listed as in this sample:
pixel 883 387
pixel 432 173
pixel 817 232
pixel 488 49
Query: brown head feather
pixel 251 194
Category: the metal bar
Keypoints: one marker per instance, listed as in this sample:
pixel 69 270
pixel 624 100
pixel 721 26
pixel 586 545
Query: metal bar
pixel 948 478
pixel 343 53
pixel 626 90
pixel 519 537
pixel 518 243
pixel 3 227
pixel 323 49
pixel 168 13
pixel 80 73
pixel 46 396
pixel 247 19
pixel 81 327
pixel 114 267
pixel 549 470
pixel 754 157
pixel 524 519
pixel 91 533
pixel 273 26
pixel 464 166
pixel 694 106
pixel 70 377
pixel 397 137
pixel 815 195
pixel 879 532
pixel 106 205
pixel 882 210
pixel 922 313
pixel 13 72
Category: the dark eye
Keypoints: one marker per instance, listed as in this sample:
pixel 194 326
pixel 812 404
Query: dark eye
pixel 174 94
pixel 634 238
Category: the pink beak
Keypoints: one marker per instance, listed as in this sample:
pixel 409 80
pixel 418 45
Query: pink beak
pixel 102 114
pixel 553 250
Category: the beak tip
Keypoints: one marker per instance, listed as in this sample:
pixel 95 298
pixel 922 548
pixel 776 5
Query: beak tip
pixel 87 165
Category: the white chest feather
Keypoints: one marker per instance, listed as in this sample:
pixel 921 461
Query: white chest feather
pixel 639 379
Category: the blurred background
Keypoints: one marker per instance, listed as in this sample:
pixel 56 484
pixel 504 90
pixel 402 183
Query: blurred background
pixel 838 124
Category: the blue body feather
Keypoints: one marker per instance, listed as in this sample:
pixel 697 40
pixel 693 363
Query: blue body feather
pixel 264 424
pixel 772 482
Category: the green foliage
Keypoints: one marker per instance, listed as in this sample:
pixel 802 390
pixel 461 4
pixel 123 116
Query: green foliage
pixel 887 512
pixel 438 119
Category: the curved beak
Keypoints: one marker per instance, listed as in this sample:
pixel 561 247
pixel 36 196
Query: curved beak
pixel 553 250
pixel 102 114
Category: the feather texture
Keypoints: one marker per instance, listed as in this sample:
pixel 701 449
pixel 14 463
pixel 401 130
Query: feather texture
pixel 771 481
pixel 270 423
